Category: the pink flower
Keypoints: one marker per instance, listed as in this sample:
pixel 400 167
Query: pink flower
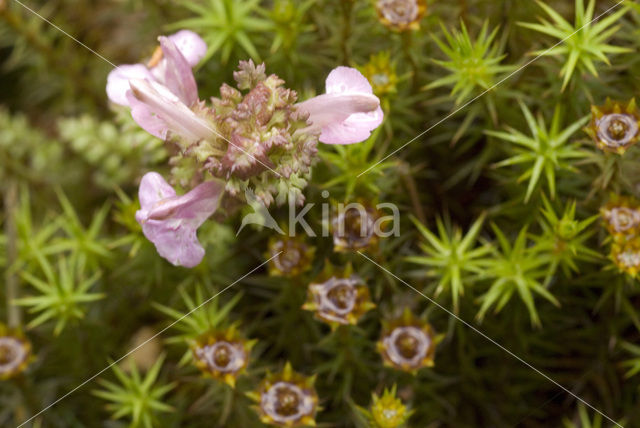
pixel 187 44
pixel 158 110
pixel 162 107
pixel 348 111
pixel 171 221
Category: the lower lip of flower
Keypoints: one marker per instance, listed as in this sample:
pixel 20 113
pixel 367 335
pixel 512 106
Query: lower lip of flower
pixel 617 130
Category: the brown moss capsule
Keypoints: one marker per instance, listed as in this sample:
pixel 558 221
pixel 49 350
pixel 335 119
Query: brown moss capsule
pixel 15 353
pixel 286 399
pixel 401 15
pixel 290 256
pixel 408 344
pixel 614 126
pixel 338 298
pixel 222 355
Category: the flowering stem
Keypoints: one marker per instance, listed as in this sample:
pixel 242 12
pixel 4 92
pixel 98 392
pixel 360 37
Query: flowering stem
pixel 12 284
pixel 229 398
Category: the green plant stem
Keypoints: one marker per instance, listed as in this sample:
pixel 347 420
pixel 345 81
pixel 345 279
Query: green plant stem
pixel 347 12
pixel 229 399
pixel 407 44
pixel 413 193
pixel 29 402
pixel 14 316
pixel 464 9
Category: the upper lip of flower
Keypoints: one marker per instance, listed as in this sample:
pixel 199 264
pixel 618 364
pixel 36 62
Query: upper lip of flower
pixel 169 108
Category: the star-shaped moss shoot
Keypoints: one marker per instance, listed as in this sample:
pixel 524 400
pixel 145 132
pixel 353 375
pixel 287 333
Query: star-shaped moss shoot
pixel 615 126
pixel 222 355
pixel 387 411
pixel 408 343
pixel 583 43
pixel 15 352
pixel 338 298
pixel 286 399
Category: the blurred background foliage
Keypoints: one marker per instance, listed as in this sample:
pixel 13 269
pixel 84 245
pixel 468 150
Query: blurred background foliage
pixel 498 203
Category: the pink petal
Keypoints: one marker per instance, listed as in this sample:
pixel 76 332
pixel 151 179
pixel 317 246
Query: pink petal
pixel 118 81
pixel 190 45
pixel 348 112
pixel 347 80
pixel 175 73
pixel 176 244
pixel 160 111
pixel 171 222
pixel 356 128
pixel 153 189
pixel 144 116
